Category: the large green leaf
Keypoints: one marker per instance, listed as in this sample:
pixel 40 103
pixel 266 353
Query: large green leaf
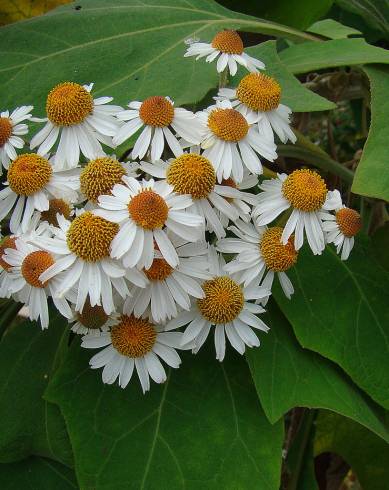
pixel 367 454
pixel 294 94
pixel 374 12
pixel 339 310
pixel 287 376
pixel 36 474
pixel 204 428
pixel 337 52
pixel 29 424
pixel 131 49
pixel 372 176
pixel 332 29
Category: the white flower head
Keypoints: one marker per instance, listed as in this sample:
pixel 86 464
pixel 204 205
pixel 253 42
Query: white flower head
pixel 134 344
pixel 227 48
pixel 259 96
pixel 31 183
pixel 79 121
pixel 12 128
pixel 341 227
pixel 225 308
pixel 156 115
pixel 145 212
pixel 92 319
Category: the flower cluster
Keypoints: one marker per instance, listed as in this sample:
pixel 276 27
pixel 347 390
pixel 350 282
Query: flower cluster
pixel 133 253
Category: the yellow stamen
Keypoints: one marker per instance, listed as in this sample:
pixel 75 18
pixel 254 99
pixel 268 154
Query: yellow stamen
pixel 192 174
pixel 277 257
pixel 56 206
pixel 5 130
pixel 7 242
pixel 148 209
pixel 29 173
pixel 349 221
pixel 33 265
pixel 223 300
pixel 68 103
pixel 156 111
pixel 259 92
pixel 90 236
pixel 228 41
pixel 228 124
pixel 93 317
pixel 159 270
pixel 305 190
pixel 133 337
pixel 99 176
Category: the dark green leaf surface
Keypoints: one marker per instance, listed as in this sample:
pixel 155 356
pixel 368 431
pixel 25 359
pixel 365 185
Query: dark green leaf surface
pixel 332 29
pixel 294 94
pixel 287 376
pixel 339 310
pixel 338 52
pixel 36 474
pixel 367 454
pixel 372 175
pixel 130 49
pixel 29 424
pixel 374 12
pixel 203 428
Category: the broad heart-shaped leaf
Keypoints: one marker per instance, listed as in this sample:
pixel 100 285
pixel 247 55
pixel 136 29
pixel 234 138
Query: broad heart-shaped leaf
pixel 294 94
pixel 367 454
pixel 287 376
pixel 332 29
pixel 340 310
pixel 337 52
pixel 131 49
pixel 372 176
pixel 36 474
pixel 29 424
pixel 204 428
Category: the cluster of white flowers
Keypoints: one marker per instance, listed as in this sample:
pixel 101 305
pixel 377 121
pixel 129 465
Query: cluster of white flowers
pixel 133 253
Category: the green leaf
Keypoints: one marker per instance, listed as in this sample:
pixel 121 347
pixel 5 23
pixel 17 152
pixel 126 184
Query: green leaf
pixel 339 310
pixel 193 432
pixel 130 49
pixel 29 424
pixel 375 13
pixel 294 94
pixel 287 376
pixel 338 52
pixel 36 474
pixel 367 454
pixel 380 241
pixel 372 176
pixel 332 29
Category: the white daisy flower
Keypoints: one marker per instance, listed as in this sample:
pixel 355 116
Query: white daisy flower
pixel 145 212
pixel 259 95
pixel 8 242
pixel 84 245
pixel 170 289
pixel 80 122
pixel 157 115
pixel 57 206
pixel 225 307
pixel 32 182
pixel 134 343
pixel 11 128
pixel 305 192
pixel 27 264
pixel 227 48
pixel 193 174
pixel 259 250
pixel 341 228
pixel 231 141
pixel 92 320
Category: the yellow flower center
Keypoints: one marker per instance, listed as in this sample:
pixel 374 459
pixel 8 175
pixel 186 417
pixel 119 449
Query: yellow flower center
pixel 259 92
pixel 230 182
pixel 56 206
pixel 192 174
pixel 223 300
pixel 156 111
pixel 33 265
pixel 68 103
pixel 7 242
pixel 228 124
pixel 159 270
pixel 148 209
pixel 349 221
pixel 305 190
pixel 228 41
pixel 93 317
pixel 29 173
pixel 99 177
pixel 133 337
pixel 277 257
pixel 90 236
pixel 5 130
